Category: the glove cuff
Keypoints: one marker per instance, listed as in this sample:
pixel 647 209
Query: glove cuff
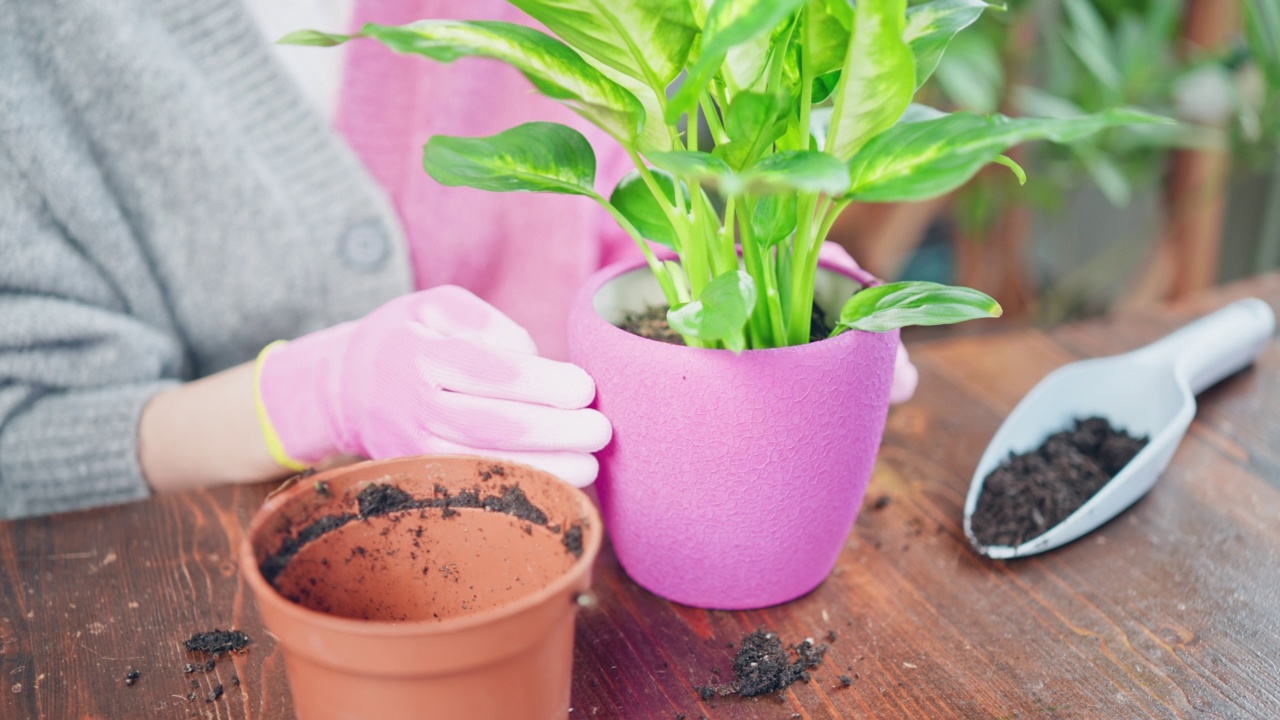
pixel 296 393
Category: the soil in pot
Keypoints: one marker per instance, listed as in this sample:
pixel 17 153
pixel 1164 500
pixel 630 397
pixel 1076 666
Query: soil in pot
pixel 402 557
pixel 1028 494
pixel 652 324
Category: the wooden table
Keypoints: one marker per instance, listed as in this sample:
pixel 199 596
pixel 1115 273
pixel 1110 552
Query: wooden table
pixel 1171 610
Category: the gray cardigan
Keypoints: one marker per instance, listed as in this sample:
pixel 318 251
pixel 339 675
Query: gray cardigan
pixel 168 205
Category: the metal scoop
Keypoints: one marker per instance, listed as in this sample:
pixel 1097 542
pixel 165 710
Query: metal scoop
pixel 1149 391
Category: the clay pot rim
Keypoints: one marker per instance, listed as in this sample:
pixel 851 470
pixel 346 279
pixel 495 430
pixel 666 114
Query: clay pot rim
pixel 594 283
pixel 263 591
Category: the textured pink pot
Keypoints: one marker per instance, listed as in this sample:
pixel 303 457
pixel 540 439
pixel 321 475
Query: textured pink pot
pixel 732 481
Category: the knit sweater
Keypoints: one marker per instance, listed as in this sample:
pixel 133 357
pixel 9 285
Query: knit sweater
pixel 168 205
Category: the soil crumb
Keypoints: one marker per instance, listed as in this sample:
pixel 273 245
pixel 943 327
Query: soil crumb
pixel 572 540
pixel 1034 491
pixel 131 677
pixel 218 642
pixel 763 665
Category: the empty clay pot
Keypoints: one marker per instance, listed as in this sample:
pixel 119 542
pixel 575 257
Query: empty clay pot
pixel 424 588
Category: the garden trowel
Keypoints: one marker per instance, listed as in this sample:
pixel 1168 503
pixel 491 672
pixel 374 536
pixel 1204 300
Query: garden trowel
pixel 1149 391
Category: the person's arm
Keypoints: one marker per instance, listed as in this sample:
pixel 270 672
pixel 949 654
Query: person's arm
pixel 205 432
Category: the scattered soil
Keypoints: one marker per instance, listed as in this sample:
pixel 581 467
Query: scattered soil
pixel 763 665
pixel 384 499
pixel 217 693
pixel 217 643
pixel 652 324
pixel 131 677
pixel 1032 492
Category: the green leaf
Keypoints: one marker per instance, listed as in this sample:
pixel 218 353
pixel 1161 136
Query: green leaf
pixel 720 312
pixel 729 23
pixel 803 170
pixel 313 38
pixel 920 160
pixel 824 85
pixel 888 307
pixel 634 200
pixel 930 27
pixel 691 164
pixel 654 135
pixel 773 219
pixel 1013 166
pixel 553 67
pixel 830 35
pixel 754 121
pixel 534 157
pixel 648 40
pixel 877 81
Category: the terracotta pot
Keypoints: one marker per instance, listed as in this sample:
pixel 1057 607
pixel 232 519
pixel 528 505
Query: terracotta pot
pixel 427 612
pixel 732 481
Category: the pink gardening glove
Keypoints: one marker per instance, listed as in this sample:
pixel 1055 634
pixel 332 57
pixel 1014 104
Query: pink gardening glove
pixel 905 375
pixel 437 371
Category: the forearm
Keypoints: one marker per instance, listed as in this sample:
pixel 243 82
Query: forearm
pixel 205 432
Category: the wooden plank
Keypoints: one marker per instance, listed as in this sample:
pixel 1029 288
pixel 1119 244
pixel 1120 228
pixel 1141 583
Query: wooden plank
pixel 1168 611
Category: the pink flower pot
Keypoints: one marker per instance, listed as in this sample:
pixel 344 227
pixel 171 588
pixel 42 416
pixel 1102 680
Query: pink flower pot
pixel 732 481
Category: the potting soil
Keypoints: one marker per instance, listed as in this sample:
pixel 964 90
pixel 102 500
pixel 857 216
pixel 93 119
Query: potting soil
pixel 1028 494
pixel 652 324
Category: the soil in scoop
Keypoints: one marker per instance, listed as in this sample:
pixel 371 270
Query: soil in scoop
pixel 763 665
pixel 378 500
pixel 1032 492
pixel 652 324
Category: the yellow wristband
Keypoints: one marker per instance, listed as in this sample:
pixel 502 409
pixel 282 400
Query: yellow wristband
pixel 274 446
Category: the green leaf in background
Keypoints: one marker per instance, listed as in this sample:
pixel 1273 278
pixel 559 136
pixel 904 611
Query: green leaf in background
pixel 633 199
pixel 729 23
pixel 878 78
pixel 553 67
pixel 972 74
pixel 534 157
pixel 920 160
pixel 930 27
pixel 648 40
pixel 896 305
pixel 720 312
pixel 774 219
pixel 1091 42
pixel 1262 29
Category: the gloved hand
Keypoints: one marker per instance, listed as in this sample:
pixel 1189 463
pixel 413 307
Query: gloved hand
pixel 905 374
pixel 437 371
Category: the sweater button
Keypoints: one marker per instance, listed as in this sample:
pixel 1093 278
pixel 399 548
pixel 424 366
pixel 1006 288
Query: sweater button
pixel 365 246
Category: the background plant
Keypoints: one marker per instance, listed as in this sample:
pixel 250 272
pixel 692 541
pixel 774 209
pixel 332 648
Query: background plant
pixel 756 71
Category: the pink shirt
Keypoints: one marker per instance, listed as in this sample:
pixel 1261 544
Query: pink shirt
pixel 525 253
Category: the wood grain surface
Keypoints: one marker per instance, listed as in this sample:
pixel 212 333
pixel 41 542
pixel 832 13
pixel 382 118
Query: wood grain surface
pixel 1171 610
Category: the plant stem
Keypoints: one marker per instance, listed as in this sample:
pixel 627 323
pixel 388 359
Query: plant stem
pixel 803 269
pixel 713 119
pixel 806 76
pixel 665 281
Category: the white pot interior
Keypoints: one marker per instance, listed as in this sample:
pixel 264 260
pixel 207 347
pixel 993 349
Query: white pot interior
pixel 636 291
